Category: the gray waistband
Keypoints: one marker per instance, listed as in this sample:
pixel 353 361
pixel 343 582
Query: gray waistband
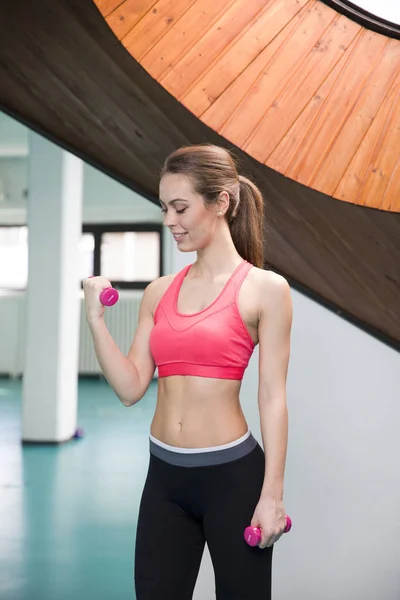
pixel 204 459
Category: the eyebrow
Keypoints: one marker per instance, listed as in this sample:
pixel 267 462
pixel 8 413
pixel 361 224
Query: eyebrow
pixel 173 201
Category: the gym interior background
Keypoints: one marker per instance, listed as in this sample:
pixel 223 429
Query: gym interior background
pixel 68 510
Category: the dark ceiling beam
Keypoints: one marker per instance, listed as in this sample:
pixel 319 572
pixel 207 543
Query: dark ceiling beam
pixel 65 75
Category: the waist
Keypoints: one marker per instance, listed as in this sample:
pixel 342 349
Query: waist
pixel 198 412
pixel 203 457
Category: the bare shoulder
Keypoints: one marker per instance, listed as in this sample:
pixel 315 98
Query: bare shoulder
pixel 156 289
pixel 268 280
pixel 159 285
pixel 273 289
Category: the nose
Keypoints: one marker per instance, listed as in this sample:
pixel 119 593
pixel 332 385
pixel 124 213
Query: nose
pixel 169 219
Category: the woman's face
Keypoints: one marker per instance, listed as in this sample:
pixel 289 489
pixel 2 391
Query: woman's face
pixel 190 221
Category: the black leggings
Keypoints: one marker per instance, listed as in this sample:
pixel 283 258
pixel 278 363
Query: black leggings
pixel 184 507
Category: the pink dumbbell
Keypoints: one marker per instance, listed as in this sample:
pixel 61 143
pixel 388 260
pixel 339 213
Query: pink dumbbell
pixel 109 296
pixel 252 535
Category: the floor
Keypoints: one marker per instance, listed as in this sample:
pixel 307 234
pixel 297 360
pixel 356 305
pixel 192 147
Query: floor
pixel 68 513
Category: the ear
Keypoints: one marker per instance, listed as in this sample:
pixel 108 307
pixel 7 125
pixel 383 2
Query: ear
pixel 223 202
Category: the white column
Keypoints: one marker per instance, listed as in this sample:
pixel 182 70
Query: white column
pixel 49 403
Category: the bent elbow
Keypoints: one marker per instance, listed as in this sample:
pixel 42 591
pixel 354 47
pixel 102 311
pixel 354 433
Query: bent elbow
pixel 130 401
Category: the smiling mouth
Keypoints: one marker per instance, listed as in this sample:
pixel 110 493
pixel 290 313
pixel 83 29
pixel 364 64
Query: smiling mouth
pixel 178 236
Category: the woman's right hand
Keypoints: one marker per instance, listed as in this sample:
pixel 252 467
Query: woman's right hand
pixel 92 288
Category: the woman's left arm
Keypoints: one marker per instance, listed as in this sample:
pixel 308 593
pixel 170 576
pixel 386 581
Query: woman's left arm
pixel 274 330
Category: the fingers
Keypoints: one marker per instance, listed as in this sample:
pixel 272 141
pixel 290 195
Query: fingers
pixel 92 288
pixel 269 538
pixel 267 543
pixel 96 281
pixel 92 284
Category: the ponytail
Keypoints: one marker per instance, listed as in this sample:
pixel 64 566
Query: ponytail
pixel 246 223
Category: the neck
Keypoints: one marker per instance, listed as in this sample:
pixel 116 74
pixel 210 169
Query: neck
pixel 219 257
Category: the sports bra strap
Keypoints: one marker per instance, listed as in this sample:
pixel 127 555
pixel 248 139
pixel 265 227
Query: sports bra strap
pixel 239 277
pixel 175 283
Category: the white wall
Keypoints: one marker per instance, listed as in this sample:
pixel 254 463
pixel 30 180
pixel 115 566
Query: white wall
pixel 13 186
pixel 104 199
pixel 13 137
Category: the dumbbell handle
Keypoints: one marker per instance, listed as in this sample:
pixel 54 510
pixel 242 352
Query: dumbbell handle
pixel 252 535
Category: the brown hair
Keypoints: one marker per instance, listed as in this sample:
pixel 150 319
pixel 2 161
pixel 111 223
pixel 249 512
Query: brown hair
pixel 212 170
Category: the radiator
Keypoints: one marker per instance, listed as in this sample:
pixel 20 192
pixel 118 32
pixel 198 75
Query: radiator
pixel 121 321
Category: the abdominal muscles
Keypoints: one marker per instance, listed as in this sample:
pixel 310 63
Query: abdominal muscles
pixel 198 412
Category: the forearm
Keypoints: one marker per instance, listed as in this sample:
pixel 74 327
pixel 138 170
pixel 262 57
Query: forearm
pixel 274 431
pixel 119 371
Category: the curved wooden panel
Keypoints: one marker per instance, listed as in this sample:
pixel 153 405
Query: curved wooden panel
pixel 299 87
pixel 72 81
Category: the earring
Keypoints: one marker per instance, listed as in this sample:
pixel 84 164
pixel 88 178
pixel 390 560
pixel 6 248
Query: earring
pixel 220 213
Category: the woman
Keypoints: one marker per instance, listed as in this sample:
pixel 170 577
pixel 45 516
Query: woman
pixel 208 477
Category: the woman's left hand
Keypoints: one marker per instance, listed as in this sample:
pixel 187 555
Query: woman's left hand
pixel 270 517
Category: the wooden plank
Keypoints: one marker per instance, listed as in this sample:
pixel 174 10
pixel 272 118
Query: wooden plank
pixel 200 56
pixel 385 159
pixel 341 101
pixel 351 182
pixel 125 17
pixel 285 153
pixel 301 87
pixel 107 6
pixel 220 111
pixel 183 35
pixel 391 198
pixel 238 56
pixel 151 28
pixel 359 120
pixel 249 114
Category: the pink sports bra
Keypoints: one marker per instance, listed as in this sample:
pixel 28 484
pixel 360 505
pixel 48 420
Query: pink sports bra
pixel 213 342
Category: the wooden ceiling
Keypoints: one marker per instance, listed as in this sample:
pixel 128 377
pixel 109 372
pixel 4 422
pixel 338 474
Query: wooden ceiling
pixel 66 75
pixel 293 83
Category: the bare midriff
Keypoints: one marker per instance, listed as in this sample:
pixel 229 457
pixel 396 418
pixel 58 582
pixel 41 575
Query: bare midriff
pixel 198 412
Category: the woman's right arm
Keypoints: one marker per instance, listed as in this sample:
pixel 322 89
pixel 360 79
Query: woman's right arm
pixel 130 375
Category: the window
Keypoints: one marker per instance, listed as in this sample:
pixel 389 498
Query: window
pixel 86 253
pixel 385 9
pixel 382 17
pixel 13 257
pixel 129 255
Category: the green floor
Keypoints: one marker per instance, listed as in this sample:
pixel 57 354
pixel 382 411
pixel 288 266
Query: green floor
pixel 68 513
